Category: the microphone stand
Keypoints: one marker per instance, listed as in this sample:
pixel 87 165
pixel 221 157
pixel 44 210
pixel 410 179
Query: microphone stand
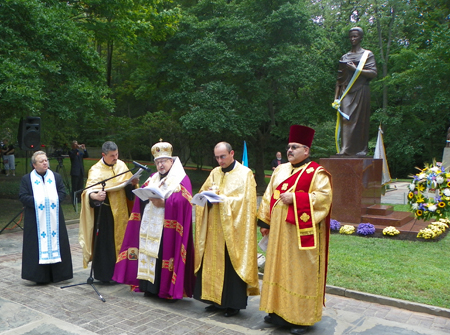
pixel 90 280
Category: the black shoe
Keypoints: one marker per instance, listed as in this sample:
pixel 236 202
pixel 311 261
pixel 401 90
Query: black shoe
pixel 299 330
pixel 211 308
pixel 268 319
pixel 148 294
pixel 231 312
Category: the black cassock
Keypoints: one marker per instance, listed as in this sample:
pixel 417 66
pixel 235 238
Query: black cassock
pixel 31 269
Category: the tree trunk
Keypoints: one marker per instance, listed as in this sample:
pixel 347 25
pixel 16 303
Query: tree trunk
pixel 259 146
pixel 109 63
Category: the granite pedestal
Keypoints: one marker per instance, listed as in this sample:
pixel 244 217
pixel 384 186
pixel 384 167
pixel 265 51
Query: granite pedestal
pixel 356 185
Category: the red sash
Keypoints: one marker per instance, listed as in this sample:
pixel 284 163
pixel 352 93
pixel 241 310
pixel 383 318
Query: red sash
pixel 299 213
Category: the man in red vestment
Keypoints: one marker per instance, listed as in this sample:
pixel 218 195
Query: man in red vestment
pixel 294 214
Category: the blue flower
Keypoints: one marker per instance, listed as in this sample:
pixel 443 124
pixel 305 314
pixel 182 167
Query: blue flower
pixel 335 225
pixel 365 229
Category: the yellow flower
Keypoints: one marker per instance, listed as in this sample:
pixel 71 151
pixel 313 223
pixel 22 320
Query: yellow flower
pixel 411 195
pixel 421 187
pixel 419 212
pixel 441 204
pixel 420 198
pixel 448 184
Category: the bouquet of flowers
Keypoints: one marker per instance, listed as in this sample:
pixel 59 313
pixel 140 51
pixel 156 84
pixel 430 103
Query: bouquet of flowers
pixel 429 193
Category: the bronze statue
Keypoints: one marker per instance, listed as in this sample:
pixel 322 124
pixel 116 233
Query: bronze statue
pixel 356 102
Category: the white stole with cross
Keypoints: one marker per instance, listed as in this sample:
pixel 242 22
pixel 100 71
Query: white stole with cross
pixel 46 204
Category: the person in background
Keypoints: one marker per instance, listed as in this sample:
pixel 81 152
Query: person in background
pixel 77 154
pixel 8 158
pixel 278 160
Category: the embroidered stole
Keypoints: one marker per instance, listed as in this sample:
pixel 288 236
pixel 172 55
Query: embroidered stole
pixel 150 234
pixel 152 222
pixel 300 212
pixel 46 204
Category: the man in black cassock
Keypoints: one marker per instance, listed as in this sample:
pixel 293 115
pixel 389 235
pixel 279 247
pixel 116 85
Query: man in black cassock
pixel 43 190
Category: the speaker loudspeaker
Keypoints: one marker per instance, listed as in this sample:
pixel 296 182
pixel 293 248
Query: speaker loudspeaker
pixel 30 133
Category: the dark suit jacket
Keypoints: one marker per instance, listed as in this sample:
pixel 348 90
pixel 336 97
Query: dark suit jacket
pixel 275 162
pixel 76 159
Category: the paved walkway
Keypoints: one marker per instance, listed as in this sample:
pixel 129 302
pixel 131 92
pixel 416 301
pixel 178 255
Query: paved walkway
pixel 396 194
pixel 26 308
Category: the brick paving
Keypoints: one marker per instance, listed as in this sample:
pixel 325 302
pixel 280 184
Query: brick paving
pixel 26 308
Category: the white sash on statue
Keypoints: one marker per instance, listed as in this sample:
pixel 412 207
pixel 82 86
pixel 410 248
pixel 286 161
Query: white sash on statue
pixel 46 204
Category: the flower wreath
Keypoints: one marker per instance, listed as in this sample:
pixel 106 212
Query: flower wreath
pixel 429 193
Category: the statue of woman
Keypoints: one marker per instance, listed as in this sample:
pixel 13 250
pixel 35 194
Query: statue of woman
pixel 356 103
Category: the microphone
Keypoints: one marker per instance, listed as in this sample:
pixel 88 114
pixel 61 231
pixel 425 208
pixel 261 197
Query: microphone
pixel 146 168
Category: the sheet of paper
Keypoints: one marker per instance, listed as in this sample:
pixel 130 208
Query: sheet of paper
pixel 200 199
pixel 264 242
pixel 136 175
pixel 125 183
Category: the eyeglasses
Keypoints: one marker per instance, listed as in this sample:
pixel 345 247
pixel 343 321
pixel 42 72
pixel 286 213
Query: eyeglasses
pixel 161 162
pixel 295 147
pixel 220 157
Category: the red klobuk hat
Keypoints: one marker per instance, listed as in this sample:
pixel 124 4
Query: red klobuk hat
pixel 301 134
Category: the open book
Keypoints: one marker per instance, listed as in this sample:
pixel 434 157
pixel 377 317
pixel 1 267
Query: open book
pixel 200 199
pixel 150 191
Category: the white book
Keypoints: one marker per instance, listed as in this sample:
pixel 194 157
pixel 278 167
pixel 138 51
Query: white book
pixel 148 192
pixel 201 199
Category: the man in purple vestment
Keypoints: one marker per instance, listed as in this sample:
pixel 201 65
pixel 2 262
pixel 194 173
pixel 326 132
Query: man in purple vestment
pixel 157 254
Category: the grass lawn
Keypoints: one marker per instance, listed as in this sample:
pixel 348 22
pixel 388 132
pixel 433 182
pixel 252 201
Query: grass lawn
pixel 409 270
pixel 414 271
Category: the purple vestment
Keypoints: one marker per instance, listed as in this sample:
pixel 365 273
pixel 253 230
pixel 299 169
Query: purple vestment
pixel 177 273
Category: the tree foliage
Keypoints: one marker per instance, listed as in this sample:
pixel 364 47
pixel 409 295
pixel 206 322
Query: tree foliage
pixel 198 72
pixel 243 70
pixel 46 69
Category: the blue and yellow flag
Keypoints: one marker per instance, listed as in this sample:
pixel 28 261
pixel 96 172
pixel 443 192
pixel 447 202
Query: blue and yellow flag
pixel 245 156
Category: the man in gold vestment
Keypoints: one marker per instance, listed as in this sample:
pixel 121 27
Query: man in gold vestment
pixel 225 237
pixel 294 215
pixel 109 207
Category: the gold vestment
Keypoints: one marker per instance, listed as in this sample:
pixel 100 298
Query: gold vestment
pixel 294 279
pixel 231 222
pixel 117 201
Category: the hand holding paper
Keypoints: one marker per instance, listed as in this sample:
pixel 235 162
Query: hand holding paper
pixel 201 199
